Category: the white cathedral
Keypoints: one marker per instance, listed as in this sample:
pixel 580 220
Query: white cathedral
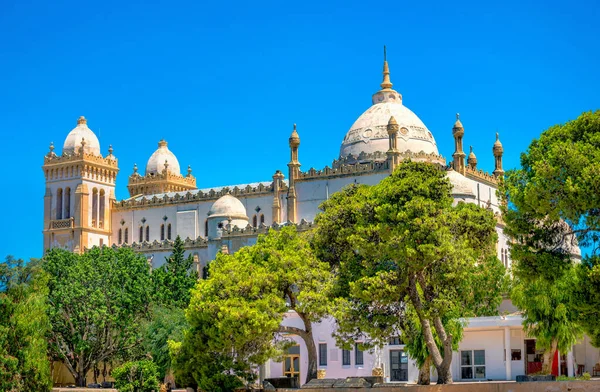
pixel 81 211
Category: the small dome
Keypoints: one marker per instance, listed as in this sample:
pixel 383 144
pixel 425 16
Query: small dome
pixel 460 184
pixel 82 132
pixel 156 163
pixel 228 207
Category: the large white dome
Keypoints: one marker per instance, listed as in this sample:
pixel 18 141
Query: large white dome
pixel 369 134
pixel 228 207
pixel 79 133
pixel 156 163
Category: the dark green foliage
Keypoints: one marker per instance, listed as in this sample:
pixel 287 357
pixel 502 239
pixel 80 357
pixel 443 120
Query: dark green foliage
pixel 174 280
pixel 552 204
pixel 24 364
pixel 166 324
pixel 400 248
pixel 235 315
pixel 98 301
pixel 140 376
pixel 586 297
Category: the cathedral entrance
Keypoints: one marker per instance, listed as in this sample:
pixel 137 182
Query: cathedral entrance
pixel 291 363
pixel 398 365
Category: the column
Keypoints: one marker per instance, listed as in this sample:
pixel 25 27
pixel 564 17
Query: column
pixel 507 362
pixel 570 363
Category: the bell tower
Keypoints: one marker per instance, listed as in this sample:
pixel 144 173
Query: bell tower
pixel 80 191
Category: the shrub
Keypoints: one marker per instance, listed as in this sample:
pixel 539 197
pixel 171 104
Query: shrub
pixel 140 376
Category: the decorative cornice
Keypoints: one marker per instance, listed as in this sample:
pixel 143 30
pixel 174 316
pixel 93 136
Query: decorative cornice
pixel 381 156
pixel 164 245
pixel 480 175
pixel 52 159
pixel 196 196
pixel 250 231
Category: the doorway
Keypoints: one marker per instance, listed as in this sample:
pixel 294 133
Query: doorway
pixel 291 363
pixel 533 357
pixel 398 365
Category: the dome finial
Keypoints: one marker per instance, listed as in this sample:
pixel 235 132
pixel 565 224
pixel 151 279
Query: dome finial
pixel 52 146
pixel 386 84
pixel 189 170
pixel 162 143
pixel 294 138
pixel 135 168
pixel 81 120
pixel 110 149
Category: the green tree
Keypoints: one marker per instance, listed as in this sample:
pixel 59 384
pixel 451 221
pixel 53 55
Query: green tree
pixel 586 297
pixel 174 280
pixel 166 324
pixel 140 376
pixel 551 204
pixel 98 301
pixel 237 313
pixel 24 364
pixel 401 246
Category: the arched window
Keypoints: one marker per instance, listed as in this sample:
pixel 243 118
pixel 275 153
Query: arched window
pixel 94 207
pixel 141 233
pixel 102 209
pixel 169 231
pixel 67 203
pixel 262 219
pixel 206 228
pixel 120 239
pixel 59 203
pixel 162 232
pixel 126 235
pixel 254 221
pixel 148 233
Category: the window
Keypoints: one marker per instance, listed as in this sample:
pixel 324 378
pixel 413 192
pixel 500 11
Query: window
pixel 162 232
pixel 59 203
pixel 262 219
pixel 126 239
pixel 120 239
pixel 95 207
pixel 147 233
pixel 169 231
pixel 101 242
pixel 206 228
pixel 515 354
pixel 322 354
pixel 102 209
pixel 141 233
pixel 346 357
pixel 254 221
pixel 358 355
pixel 67 203
pixel 395 341
pixel 472 364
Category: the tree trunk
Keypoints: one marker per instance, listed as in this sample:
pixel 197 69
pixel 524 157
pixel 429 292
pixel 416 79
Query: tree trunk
pixel 312 354
pixel 80 379
pixel 441 363
pixel 549 357
pixel 425 372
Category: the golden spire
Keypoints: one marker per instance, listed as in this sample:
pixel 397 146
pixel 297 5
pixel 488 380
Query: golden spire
pixel 386 84
pixel 81 120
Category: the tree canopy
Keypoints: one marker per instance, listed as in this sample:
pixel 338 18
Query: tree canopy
pixel 97 303
pixel 238 314
pixel 24 364
pixel 402 246
pixel 552 206
pixel 174 280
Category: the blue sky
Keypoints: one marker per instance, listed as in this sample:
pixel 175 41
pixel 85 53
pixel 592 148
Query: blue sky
pixel 223 82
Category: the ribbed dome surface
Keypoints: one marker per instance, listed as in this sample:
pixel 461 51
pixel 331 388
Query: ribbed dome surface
pixel 229 207
pixel 81 132
pixel 156 163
